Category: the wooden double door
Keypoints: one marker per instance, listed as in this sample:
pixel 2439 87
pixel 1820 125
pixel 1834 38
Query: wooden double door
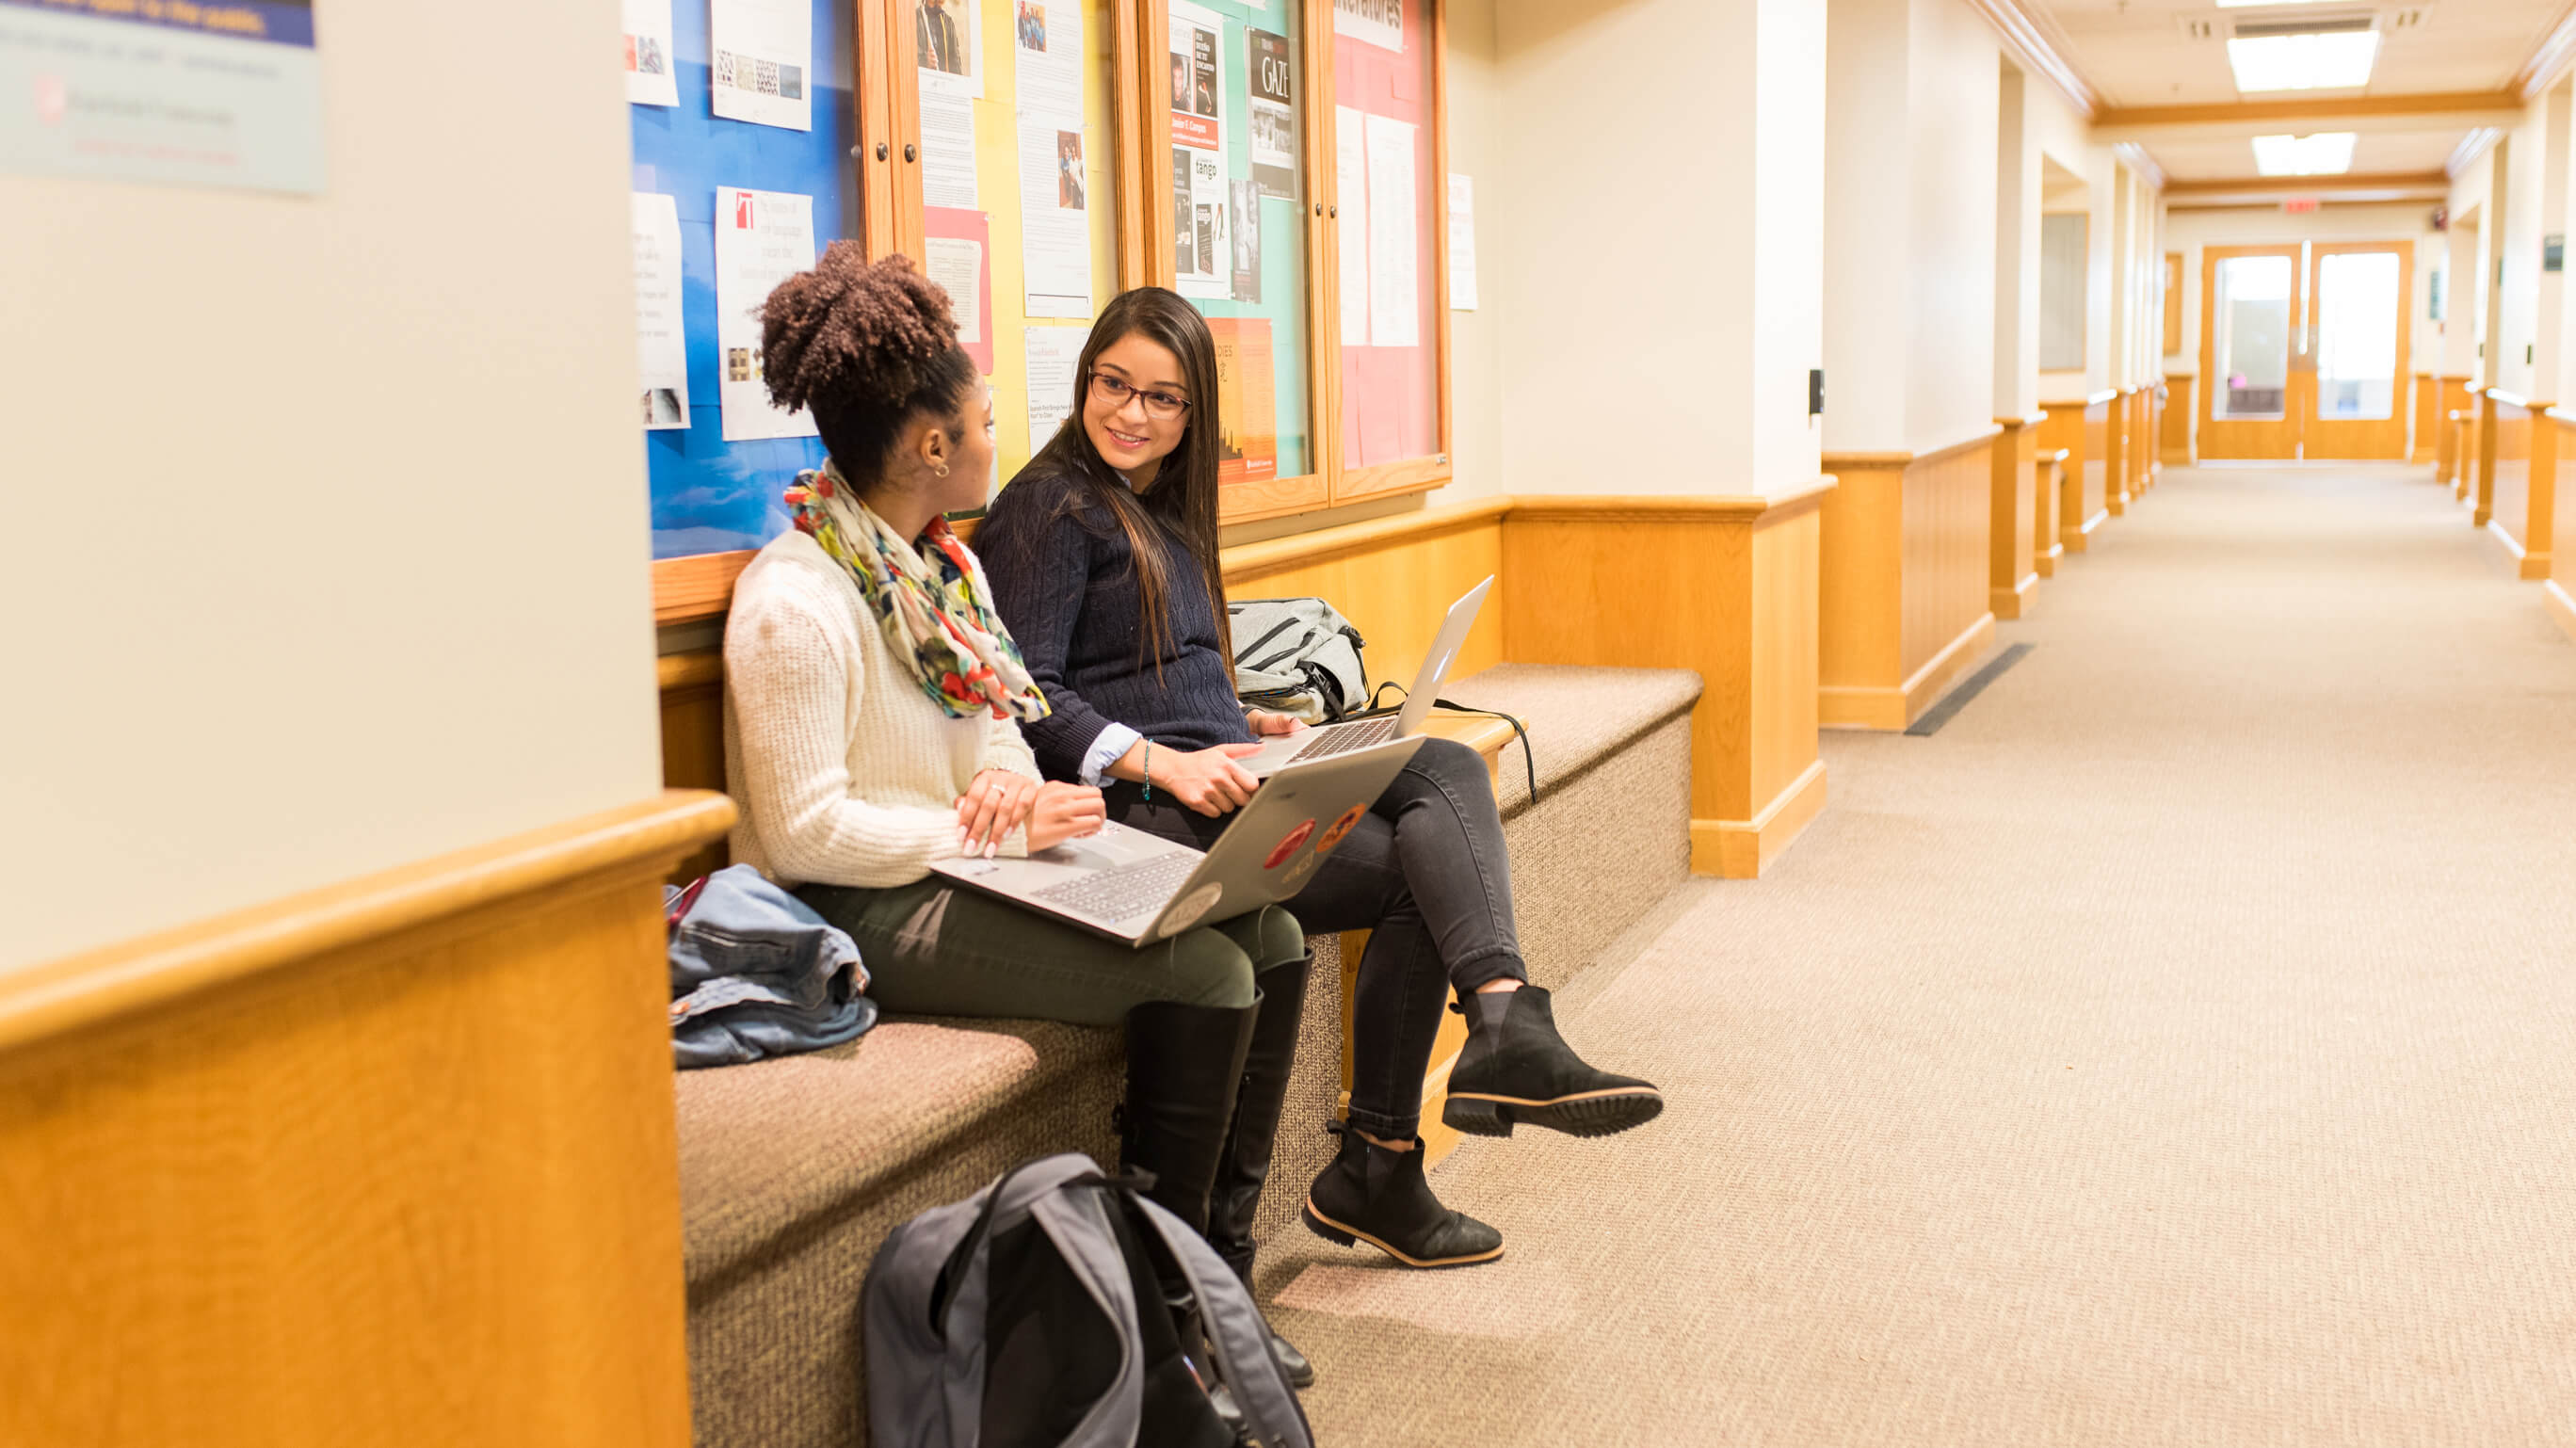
pixel 2303 350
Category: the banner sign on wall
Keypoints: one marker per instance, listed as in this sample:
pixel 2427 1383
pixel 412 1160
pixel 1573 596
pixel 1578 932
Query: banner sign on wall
pixel 180 92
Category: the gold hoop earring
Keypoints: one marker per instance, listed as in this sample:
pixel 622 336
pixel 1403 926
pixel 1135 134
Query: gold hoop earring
pixel 940 468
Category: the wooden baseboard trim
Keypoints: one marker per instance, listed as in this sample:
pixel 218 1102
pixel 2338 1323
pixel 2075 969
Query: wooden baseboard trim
pixel 2046 562
pixel 2175 457
pixel 2076 540
pixel 135 976
pixel 1743 849
pixel 2480 515
pixel 2562 608
pixel 2117 504
pixel 2514 552
pixel 2014 602
pixel 1849 707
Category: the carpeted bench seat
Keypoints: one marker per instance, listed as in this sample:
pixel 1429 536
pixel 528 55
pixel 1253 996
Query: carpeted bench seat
pixel 793 1171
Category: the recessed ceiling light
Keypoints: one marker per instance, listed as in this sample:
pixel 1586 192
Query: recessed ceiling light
pixel 2335 60
pixel 2328 153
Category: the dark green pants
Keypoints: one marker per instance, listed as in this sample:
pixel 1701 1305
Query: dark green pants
pixel 933 948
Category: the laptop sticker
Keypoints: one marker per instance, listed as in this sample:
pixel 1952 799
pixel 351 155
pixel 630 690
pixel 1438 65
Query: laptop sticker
pixel 1185 912
pixel 1288 845
pixel 1305 866
pixel 1333 832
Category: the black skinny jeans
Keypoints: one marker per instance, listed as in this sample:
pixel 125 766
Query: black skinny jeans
pixel 1426 875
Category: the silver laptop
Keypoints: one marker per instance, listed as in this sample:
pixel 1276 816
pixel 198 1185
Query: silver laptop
pixel 1282 750
pixel 1140 888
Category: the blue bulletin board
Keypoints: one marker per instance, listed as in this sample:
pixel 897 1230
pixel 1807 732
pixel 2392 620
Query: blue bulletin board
pixel 709 495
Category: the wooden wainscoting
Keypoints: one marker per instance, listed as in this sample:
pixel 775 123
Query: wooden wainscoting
pixel 1726 586
pixel 2428 417
pixel 1905 603
pixel 2142 441
pixel 2082 428
pixel 387 1163
pixel 2173 433
pixel 2115 452
pixel 2526 475
pixel 2446 448
pixel 2481 498
pixel 2012 575
pixel 2455 398
pixel 2048 465
pixel 2558 594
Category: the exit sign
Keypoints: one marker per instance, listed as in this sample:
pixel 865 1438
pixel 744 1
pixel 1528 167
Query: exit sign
pixel 2298 204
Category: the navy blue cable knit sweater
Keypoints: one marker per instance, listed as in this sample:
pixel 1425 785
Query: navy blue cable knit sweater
pixel 1065 583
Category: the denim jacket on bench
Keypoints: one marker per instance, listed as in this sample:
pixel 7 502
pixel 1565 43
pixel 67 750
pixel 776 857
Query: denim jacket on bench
pixel 755 972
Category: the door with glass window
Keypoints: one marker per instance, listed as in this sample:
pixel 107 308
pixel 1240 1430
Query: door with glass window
pixel 2359 302
pixel 2253 400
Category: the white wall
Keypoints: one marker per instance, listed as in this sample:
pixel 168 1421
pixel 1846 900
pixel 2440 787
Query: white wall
pixel 1694 133
pixel 2017 213
pixel 2515 344
pixel 2058 133
pixel 329 512
pixel 1909 224
pixel 1475 359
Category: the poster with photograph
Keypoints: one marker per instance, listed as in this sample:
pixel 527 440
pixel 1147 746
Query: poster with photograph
pixel 1244 223
pixel 1198 77
pixel 649 81
pixel 762 239
pixel 1055 354
pixel 1247 448
pixel 948 46
pixel 1055 221
pixel 1377 22
pixel 1274 113
pixel 659 334
pixel 1395 268
pixel 764 59
pixel 1048 53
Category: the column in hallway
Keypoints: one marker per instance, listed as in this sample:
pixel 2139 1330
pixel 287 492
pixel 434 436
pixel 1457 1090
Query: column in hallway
pixel 2521 492
pixel 1658 201
pixel 2021 531
pixel 1910 219
pixel 2456 458
pixel 2118 444
pixel 2494 343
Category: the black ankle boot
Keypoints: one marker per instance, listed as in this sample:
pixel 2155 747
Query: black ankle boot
pixel 1374 1195
pixel 1244 1165
pixel 1184 1064
pixel 1516 1068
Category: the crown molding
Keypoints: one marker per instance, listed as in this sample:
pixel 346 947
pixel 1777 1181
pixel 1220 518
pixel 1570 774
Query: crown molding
pixel 2549 58
pixel 2402 184
pixel 2475 144
pixel 2028 38
pixel 2137 159
pixel 2466 107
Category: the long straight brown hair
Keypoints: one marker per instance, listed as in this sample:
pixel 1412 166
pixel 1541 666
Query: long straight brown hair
pixel 1182 498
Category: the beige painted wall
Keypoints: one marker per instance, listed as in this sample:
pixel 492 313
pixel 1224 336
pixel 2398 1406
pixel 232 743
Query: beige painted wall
pixel 2017 213
pixel 2059 133
pixel 1475 374
pixel 1691 322
pixel 329 512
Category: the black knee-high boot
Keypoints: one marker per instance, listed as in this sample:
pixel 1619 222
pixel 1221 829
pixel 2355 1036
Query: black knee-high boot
pixel 1244 1166
pixel 1184 1068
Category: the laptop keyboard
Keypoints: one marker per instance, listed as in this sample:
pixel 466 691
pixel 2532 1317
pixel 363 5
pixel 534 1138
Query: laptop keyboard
pixel 1124 891
pixel 1343 738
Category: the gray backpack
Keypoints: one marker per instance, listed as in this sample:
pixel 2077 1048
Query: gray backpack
pixel 1297 656
pixel 1032 1315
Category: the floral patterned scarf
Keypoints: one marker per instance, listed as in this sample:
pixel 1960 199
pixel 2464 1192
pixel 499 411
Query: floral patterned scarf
pixel 931 608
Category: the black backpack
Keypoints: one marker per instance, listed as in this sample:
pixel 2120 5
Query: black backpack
pixel 1034 1314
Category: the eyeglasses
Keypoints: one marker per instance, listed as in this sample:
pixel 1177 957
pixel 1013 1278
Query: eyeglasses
pixel 1116 390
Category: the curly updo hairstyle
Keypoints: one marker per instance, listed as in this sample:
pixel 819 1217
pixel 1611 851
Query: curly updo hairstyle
pixel 864 346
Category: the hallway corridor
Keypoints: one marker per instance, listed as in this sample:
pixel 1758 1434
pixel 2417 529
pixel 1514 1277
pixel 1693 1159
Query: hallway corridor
pixel 2168 1051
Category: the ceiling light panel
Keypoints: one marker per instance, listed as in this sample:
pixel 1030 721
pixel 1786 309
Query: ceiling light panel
pixel 2328 153
pixel 2337 60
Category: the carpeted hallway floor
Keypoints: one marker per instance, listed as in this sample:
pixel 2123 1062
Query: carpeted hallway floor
pixel 2178 1048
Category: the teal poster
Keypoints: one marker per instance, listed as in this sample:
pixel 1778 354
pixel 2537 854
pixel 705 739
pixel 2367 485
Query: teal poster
pixel 223 93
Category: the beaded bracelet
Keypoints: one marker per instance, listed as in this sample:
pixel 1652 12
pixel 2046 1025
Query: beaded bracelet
pixel 1145 767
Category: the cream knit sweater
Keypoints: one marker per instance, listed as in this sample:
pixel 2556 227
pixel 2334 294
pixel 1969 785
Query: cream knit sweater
pixel 846 772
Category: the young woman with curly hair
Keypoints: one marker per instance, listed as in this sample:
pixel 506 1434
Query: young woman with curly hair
pixel 873 707
pixel 1104 554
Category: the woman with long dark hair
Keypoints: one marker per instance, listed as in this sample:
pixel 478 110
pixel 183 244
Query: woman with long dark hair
pixel 1105 565
pixel 873 704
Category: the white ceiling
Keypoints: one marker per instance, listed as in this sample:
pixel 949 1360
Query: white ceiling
pixel 2137 53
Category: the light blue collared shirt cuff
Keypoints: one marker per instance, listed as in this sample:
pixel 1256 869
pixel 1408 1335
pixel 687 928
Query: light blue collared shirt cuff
pixel 1114 741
